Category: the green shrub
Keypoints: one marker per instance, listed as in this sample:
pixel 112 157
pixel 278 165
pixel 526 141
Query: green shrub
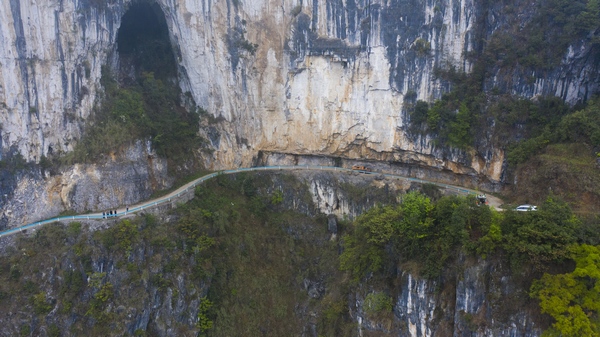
pixel 540 237
pixel 41 305
pixel 95 279
pixel 30 287
pixel 3 296
pixel 54 331
pixel 98 304
pixel 377 303
pixel 521 152
pixel 276 197
pixel 126 234
pixel 364 247
pixel 573 299
pixel 418 115
pixel 204 322
pixel 15 273
pixel 25 330
pixel 422 47
pixel 432 191
pixel 460 128
pixel 160 282
pixel 74 282
pixel 582 126
pixel 105 293
pixel 74 229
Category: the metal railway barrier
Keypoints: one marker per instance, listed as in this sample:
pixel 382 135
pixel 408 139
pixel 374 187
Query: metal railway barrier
pixel 198 181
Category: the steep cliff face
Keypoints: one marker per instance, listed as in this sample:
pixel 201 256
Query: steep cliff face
pixel 456 306
pixel 270 267
pixel 115 182
pixel 324 77
pixel 50 67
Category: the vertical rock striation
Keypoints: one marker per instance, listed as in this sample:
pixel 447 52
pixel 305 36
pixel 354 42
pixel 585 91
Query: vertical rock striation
pixel 317 77
pixel 481 300
pixel 50 70
pixel 323 77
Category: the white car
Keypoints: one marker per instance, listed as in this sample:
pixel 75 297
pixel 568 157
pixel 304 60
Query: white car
pixel 526 208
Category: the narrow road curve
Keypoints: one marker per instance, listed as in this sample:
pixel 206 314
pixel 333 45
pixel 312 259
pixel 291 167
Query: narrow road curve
pixel 149 204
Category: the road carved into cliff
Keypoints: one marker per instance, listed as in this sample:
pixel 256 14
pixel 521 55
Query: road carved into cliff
pixel 178 193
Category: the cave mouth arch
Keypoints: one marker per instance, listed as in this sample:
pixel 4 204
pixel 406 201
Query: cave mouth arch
pixel 144 45
pixel 142 97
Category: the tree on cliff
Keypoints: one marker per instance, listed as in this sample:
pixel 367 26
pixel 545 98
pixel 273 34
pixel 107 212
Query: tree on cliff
pixel 573 299
pixel 542 237
pixel 418 230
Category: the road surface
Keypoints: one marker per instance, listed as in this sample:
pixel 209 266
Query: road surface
pixel 122 211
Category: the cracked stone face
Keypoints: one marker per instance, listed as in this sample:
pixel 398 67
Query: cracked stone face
pixel 324 79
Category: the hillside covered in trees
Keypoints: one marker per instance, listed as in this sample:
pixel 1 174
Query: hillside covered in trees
pixel 239 259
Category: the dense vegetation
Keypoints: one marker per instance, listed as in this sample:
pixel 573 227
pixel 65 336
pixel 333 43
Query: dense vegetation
pixel 548 144
pixel 543 41
pixel 568 170
pixel 235 261
pixel 232 262
pixel 434 234
pixel 573 299
pixel 149 109
pixel 582 126
pixel 465 116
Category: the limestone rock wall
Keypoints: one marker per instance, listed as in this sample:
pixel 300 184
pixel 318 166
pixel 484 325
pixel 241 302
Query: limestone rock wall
pixel 456 305
pixel 293 77
pixel 325 77
pixel 50 65
pixel 115 182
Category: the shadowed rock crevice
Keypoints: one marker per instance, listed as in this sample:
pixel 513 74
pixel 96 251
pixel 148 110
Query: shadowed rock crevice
pixel 143 44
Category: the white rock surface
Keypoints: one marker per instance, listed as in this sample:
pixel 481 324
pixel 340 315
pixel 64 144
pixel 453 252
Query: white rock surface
pixel 279 99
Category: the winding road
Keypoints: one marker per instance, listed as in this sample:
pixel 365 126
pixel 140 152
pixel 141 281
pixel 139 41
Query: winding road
pixel 121 211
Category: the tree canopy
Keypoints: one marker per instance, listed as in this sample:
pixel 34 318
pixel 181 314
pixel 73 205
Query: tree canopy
pixel 573 299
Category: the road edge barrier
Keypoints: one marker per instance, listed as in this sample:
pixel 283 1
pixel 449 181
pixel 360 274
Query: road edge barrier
pixel 195 183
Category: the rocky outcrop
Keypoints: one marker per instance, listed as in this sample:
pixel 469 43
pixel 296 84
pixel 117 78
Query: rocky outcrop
pixel 475 302
pixel 328 79
pixel 344 195
pixel 158 287
pixel 317 77
pixel 50 71
pixel 115 182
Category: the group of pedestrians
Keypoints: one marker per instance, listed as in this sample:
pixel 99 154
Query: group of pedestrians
pixel 113 213
pixel 109 214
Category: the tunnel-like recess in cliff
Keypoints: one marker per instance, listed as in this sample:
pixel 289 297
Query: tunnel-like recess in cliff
pixel 142 99
pixel 143 44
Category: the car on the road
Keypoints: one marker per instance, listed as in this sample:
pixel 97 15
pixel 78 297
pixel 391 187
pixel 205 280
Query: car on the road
pixel 526 208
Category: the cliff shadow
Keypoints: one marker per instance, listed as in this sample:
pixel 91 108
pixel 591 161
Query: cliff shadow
pixel 143 44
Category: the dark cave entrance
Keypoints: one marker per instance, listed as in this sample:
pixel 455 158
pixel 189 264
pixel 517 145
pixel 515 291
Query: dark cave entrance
pixel 143 44
pixel 142 98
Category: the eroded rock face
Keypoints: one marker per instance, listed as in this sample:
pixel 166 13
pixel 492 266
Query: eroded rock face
pixel 455 305
pixel 297 78
pixel 50 70
pixel 114 182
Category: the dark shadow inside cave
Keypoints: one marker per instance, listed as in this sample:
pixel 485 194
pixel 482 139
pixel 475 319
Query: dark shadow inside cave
pixel 142 98
pixel 143 44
